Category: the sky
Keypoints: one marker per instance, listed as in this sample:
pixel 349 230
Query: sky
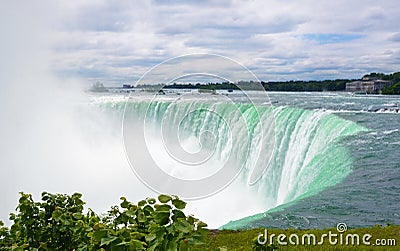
pixel 118 41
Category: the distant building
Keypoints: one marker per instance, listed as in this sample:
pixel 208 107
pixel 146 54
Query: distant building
pixel 98 87
pixel 127 86
pixel 367 85
pixel 209 91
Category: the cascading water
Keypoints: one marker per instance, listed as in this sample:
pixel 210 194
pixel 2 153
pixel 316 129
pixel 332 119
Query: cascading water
pixel 307 157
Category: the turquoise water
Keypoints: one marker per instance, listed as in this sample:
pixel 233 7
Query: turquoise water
pixel 332 161
pixel 369 194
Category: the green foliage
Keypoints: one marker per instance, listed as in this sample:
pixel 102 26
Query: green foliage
pixel 392 89
pixel 297 86
pixel 394 77
pixel 58 222
pixel 293 86
pixel 375 75
pixel 324 85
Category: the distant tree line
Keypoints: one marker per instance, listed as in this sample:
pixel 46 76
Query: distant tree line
pixel 310 86
pixel 209 86
pixel 294 86
pixel 299 86
pixel 395 77
pixel 393 89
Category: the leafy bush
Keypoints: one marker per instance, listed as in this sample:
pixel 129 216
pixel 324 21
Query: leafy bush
pixel 392 89
pixel 59 223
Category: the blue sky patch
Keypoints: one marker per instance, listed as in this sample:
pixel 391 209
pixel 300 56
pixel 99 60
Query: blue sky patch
pixel 332 38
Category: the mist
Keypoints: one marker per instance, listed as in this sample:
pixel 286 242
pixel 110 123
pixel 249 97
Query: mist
pixel 51 139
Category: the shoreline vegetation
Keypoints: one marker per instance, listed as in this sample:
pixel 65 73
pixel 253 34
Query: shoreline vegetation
pixel 337 85
pixel 60 222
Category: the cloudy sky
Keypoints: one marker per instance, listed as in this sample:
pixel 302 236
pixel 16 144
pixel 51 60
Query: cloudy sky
pixel 118 41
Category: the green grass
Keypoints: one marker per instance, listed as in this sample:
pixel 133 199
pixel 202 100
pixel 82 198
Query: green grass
pixel 243 240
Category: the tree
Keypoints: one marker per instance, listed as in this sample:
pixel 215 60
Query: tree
pixel 392 89
pixel 59 222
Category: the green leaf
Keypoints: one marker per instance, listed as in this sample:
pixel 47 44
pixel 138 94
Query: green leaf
pixel 77 195
pixel 43 245
pixel 161 217
pixel 179 204
pixel 125 204
pixel 136 235
pixel 125 243
pixel 20 248
pixel 163 207
pixel 191 219
pixel 77 216
pixel 159 231
pixel 98 226
pixel 12 216
pixel 151 201
pixel 141 203
pixel 130 212
pixel 99 234
pixel 183 226
pixel 108 240
pixel 172 244
pixel 150 237
pixel 83 248
pixel 142 217
pixel 178 214
pixel 148 209
pixel 45 196
pixel 138 244
pixel 16 248
pixel 56 214
pixel 163 198
pixel 196 239
pixel 201 224
pixel 152 246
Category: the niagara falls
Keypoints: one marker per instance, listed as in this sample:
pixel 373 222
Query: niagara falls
pixel 199 125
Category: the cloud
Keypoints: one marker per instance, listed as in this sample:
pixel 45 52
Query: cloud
pixel 395 37
pixel 123 38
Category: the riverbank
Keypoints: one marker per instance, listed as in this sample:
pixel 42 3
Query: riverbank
pixel 245 239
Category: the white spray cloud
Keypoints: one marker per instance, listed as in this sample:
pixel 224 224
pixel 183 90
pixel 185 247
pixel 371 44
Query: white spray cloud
pixel 51 139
